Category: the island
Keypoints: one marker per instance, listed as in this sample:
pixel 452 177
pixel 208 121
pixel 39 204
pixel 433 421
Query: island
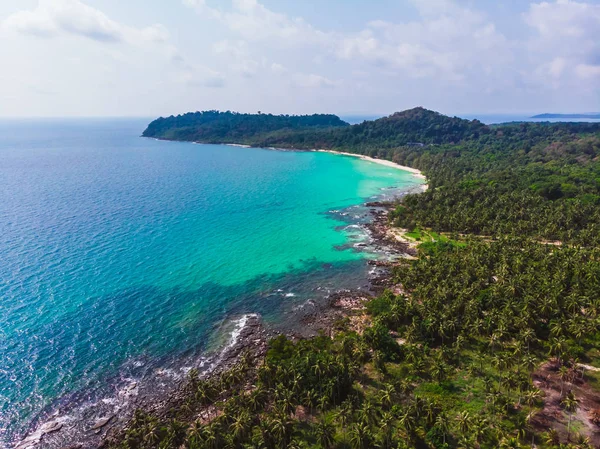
pixel 588 116
pixel 484 335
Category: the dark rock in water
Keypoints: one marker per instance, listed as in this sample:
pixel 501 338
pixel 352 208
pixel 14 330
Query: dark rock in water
pixel 102 422
pixel 380 263
pixel 377 204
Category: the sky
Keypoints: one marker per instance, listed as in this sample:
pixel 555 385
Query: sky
pixel 147 58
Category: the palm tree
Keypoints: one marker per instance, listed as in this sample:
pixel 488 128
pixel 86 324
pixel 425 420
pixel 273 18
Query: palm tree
pixel 176 431
pixel 257 399
pixel 286 401
pixel 408 423
pixel 195 433
pixel 343 416
pixel 439 371
pixel 379 362
pixel 152 436
pixel 442 423
pixel 360 436
pixel 510 443
pixel 325 433
pixel 204 393
pixel 479 429
pixel 570 403
pixel 551 438
pixel 464 421
pixel 387 396
pixel 532 396
pixel 367 413
pixel 386 428
pixel 310 398
pixel 558 347
pixel 212 436
pixel 282 428
pixel 564 375
pixel 239 426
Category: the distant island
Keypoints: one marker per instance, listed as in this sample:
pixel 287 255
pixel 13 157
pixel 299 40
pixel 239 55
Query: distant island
pixel 595 116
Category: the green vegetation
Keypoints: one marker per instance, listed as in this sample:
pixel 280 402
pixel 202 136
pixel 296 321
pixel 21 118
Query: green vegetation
pixel 488 307
pixel 232 127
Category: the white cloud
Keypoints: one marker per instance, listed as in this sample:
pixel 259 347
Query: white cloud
pixel 448 43
pixel 254 22
pixel 450 55
pixel 63 17
pixel 278 68
pixel 587 71
pixel 200 76
pixel 565 46
pixel 312 81
pixel 564 18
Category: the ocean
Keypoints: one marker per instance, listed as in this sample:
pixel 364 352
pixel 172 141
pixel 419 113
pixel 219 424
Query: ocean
pixel 121 255
pixel 488 119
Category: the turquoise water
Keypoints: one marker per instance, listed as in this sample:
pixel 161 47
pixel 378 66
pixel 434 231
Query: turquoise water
pixel 116 248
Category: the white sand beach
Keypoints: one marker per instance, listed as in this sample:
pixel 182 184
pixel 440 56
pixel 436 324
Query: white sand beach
pixel 414 171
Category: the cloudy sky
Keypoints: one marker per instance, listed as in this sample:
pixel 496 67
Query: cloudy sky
pixel 159 57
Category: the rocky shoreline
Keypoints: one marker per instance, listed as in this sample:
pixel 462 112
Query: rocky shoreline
pixel 95 431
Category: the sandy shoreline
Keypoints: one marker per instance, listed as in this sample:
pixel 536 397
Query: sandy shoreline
pixel 414 171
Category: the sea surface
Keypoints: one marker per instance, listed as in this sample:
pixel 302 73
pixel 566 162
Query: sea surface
pixel 488 119
pixel 120 255
pixel 494 119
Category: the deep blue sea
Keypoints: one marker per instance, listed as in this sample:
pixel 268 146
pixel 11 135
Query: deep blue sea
pixel 120 255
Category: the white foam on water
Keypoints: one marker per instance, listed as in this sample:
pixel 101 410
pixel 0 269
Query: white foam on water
pixel 239 325
pixel 290 295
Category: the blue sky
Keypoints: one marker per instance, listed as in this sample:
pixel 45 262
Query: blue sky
pixel 161 57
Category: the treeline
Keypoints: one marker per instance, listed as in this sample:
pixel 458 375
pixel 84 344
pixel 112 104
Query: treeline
pixel 416 126
pixel 539 180
pixel 232 127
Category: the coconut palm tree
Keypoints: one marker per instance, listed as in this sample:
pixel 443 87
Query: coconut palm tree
pixel 387 396
pixel 344 415
pixel 360 436
pixel 551 438
pixel 570 404
pixel 325 433
pixel 464 421
pixel 195 434
pixel 239 426
pixel 443 424
pixel 564 375
pixel 367 413
pixel 386 430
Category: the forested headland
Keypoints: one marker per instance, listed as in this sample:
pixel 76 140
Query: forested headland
pixel 233 127
pixel 489 338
